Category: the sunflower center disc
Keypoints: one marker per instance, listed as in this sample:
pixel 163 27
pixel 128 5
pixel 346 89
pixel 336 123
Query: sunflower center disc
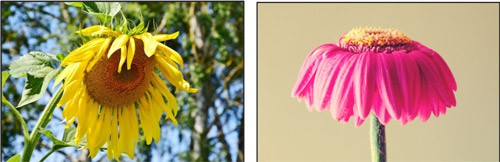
pixel 375 40
pixel 110 88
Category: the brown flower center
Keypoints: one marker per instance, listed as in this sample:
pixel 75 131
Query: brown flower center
pixel 110 88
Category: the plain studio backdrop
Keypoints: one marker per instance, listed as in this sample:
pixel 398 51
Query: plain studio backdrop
pixel 465 35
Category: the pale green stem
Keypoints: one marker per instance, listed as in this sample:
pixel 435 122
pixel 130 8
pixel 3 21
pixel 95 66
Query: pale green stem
pixel 42 122
pixel 377 136
pixel 21 120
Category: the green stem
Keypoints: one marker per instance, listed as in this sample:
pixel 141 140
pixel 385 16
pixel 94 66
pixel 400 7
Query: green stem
pixel 20 118
pixel 47 155
pixel 42 122
pixel 377 135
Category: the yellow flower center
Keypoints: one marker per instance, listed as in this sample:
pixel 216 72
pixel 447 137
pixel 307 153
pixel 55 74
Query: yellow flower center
pixel 110 88
pixel 375 40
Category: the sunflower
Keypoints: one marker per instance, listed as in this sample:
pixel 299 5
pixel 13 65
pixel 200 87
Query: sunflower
pixel 112 88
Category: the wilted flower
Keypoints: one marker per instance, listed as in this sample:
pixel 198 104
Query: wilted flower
pixel 376 70
pixel 111 88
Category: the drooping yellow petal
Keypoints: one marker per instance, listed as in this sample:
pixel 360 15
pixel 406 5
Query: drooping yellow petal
pixel 97 30
pixel 65 73
pixel 149 42
pixel 131 52
pixel 83 118
pixel 146 120
pixel 104 133
pixel 71 109
pixel 123 56
pixel 133 131
pixel 69 93
pixel 172 54
pixel 118 43
pixel 100 53
pixel 172 74
pixel 83 53
pixel 125 129
pixel 155 112
pixel 165 37
pixel 113 143
pixel 76 75
pixel 171 103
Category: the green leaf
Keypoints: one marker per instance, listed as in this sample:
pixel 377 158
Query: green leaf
pixel 34 63
pixel 53 138
pixel 57 144
pixel 15 158
pixel 60 57
pixel 69 134
pixel 109 8
pixel 90 7
pixel 5 76
pixel 105 11
pixel 35 87
pixel 76 4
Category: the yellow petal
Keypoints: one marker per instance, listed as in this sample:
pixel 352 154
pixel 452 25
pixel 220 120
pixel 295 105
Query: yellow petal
pixel 64 74
pixel 124 129
pixel 104 133
pixel 114 134
pixel 165 37
pixel 133 131
pixel 83 53
pixel 172 54
pixel 171 101
pixel 123 56
pixel 118 43
pixel 83 119
pixel 131 52
pixel 146 120
pixel 150 44
pixel 97 30
pixel 100 53
pixel 69 93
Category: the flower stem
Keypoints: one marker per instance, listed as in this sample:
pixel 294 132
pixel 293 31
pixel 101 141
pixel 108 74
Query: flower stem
pixel 377 135
pixel 20 118
pixel 42 122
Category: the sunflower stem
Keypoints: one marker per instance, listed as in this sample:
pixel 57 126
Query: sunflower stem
pixel 377 137
pixel 42 122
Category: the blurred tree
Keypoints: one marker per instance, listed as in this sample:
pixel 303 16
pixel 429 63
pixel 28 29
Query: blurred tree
pixel 210 42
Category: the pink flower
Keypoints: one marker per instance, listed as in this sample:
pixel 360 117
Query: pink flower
pixel 376 70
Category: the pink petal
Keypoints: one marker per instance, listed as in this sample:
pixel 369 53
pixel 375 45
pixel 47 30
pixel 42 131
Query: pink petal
pixel 309 67
pixel 364 83
pixel 387 85
pixel 325 78
pixel 342 99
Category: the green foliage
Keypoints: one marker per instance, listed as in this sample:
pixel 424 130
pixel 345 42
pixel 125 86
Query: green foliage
pixel 69 135
pixel 38 69
pixel 15 158
pixel 5 76
pixel 37 64
pixel 105 11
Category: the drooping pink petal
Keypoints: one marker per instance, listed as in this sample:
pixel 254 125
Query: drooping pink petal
pixel 364 83
pixel 342 98
pixel 387 86
pixel 309 68
pixel 436 81
pixel 325 78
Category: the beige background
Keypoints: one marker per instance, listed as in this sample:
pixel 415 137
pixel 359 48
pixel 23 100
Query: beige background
pixel 466 36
